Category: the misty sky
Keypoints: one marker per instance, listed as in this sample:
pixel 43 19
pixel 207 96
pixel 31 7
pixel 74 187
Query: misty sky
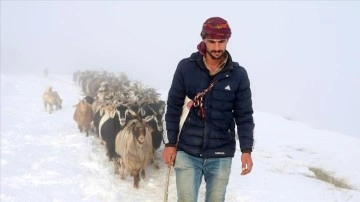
pixel 303 58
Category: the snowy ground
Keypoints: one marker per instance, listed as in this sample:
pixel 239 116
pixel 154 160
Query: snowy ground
pixel 45 158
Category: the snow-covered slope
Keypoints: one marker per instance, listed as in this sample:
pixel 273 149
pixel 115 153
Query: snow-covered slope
pixel 45 158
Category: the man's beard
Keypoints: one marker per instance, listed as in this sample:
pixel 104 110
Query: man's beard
pixel 216 57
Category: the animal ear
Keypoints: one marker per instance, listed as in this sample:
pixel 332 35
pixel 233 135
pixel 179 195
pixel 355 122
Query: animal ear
pixel 132 126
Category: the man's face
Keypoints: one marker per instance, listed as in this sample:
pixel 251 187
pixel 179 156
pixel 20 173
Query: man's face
pixel 215 48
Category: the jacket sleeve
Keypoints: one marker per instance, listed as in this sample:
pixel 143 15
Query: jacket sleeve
pixel 175 102
pixel 243 113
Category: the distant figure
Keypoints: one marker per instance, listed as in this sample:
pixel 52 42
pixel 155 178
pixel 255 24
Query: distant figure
pixel 219 90
pixel 46 72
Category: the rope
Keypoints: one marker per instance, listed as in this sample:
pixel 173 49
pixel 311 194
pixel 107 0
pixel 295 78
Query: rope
pixel 199 101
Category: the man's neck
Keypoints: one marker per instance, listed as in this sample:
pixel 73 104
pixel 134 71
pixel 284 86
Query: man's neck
pixel 214 66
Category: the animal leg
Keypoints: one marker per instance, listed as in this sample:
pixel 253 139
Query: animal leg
pixel 136 175
pixel 93 129
pixel 143 173
pixel 80 128
pixel 116 165
pixel 122 169
pixel 51 109
pixel 154 160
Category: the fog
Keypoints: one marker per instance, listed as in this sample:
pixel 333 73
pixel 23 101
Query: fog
pixel 302 57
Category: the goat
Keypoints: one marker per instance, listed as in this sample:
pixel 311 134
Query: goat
pixel 134 146
pixel 153 114
pixel 51 98
pixel 83 116
pixel 111 122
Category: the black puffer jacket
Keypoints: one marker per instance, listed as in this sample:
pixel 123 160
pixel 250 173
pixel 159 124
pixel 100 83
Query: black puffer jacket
pixel 228 101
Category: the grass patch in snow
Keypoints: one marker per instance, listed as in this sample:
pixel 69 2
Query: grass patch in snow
pixel 325 176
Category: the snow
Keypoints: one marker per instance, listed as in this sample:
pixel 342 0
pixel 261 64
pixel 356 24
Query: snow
pixel 44 157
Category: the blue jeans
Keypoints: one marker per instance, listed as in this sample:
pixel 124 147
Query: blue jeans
pixel 189 172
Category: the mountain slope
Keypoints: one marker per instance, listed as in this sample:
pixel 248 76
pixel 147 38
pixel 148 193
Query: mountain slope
pixel 45 158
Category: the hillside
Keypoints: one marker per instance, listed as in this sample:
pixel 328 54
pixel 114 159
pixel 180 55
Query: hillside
pixel 45 158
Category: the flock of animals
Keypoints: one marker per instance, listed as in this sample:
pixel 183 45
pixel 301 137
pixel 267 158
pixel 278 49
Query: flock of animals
pixel 126 115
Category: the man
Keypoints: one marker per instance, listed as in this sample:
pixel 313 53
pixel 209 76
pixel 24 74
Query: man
pixel 220 95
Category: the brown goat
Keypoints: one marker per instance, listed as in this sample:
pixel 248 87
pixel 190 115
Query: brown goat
pixel 134 145
pixel 83 116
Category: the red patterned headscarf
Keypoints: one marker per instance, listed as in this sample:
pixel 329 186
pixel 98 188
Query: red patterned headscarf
pixel 214 28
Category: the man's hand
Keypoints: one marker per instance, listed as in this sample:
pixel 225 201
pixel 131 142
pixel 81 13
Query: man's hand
pixel 168 155
pixel 246 163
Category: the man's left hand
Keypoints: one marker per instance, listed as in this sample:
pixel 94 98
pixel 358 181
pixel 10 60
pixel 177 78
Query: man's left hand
pixel 246 163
